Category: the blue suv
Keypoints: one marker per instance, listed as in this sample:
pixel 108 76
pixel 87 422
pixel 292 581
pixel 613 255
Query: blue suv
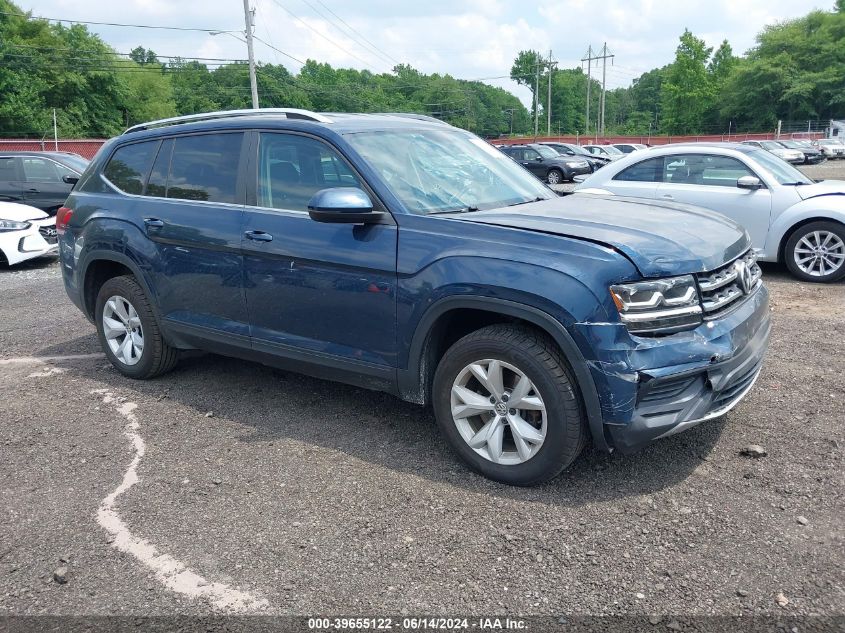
pixel 398 253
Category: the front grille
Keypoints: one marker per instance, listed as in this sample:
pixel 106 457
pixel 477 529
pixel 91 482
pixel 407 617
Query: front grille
pixel 728 285
pixel 49 233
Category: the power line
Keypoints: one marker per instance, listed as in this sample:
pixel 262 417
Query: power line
pixel 134 26
pixel 329 40
pixel 278 50
pixel 383 54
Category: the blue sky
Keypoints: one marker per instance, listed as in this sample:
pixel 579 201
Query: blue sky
pixel 469 39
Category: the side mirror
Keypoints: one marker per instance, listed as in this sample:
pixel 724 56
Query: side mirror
pixel 749 182
pixel 70 180
pixel 343 205
pixel 539 159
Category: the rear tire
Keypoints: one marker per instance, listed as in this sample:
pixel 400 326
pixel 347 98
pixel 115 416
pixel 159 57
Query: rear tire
pixel 129 332
pixel 816 252
pixel 517 454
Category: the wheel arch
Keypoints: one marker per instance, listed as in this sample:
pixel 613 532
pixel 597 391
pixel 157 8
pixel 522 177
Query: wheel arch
pixel 781 253
pixel 451 318
pixel 99 267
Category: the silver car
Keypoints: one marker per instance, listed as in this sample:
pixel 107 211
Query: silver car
pixel 831 147
pixel 789 217
pixel 604 151
pixel 790 155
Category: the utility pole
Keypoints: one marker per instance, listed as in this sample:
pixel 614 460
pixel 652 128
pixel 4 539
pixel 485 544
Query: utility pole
pixel 604 57
pixel 589 60
pixel 511 110
pixel 55 131
pixel 536 96
pixel 549 99
pixel 253 84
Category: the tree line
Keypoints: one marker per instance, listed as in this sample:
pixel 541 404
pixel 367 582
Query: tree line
pixel 796 71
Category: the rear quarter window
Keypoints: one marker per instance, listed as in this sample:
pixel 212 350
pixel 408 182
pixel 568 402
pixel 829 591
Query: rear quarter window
pixel 128 167
pixel 650 170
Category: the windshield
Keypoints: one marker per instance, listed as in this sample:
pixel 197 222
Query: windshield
pixel 780 170
pixel 446 170
pixel 770 145
pixel 790 144
pixel 611 150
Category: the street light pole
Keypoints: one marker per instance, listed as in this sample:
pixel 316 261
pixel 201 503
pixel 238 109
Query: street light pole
pixel 253 84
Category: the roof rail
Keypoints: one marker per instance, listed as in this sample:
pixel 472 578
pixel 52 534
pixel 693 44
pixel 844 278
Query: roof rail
pixel 289 113
pixel 413 115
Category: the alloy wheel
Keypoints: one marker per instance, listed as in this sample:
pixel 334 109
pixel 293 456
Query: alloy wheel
pixel 819 253
pixel 122 330
pixel 498 411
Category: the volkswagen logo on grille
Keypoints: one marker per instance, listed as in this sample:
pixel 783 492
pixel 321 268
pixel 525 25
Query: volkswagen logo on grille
pixel 744 276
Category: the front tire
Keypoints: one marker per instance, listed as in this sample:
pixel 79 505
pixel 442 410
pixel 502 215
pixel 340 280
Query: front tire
pixel 554 177
pixel 129 332
pixel 816 252
pixel 505 399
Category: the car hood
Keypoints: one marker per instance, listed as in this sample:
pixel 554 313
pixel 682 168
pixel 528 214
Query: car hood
pixel 823 188
pixel 20 212
pixel 661 239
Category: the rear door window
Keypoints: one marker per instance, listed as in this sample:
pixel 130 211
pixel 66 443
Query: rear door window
pixel 650 170
pixel 129 165
pixel 205 167
pixel 9 168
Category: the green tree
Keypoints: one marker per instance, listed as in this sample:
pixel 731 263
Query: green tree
pixel 686 89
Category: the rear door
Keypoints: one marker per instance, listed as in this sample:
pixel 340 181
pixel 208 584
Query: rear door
pixel 190 209
pixel 11 179
pixel 325 293
pixel 709 181
pixel 43 186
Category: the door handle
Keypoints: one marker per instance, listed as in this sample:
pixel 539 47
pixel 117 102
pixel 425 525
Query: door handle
pixel 258 236
pixel 153 223
pixel 667 196
pixel 33 191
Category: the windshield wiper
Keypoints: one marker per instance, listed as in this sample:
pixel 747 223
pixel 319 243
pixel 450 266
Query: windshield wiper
pixel 469 209
pixel 537 199
pixel 797 183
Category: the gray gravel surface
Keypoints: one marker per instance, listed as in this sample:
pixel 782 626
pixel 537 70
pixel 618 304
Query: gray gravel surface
pixel 326 499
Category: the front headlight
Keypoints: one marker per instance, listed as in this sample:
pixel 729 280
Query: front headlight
pixel 13 225
pixel 659 306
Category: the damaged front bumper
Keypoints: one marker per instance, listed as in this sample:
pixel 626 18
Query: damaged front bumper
pixel 652 387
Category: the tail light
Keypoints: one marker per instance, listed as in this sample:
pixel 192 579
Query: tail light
pixel 62 218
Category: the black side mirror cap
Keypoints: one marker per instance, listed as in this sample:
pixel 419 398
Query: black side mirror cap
pixel 70 180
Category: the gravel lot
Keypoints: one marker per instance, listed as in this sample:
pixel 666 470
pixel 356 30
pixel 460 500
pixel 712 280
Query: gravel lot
pixel 312 498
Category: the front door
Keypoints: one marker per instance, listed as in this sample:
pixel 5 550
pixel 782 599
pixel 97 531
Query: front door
pixel 709 181
pixel 532 161
pixel 325 293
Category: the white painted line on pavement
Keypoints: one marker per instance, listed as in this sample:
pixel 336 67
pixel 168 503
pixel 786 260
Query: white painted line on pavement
pixel 174 574
pixel 40 360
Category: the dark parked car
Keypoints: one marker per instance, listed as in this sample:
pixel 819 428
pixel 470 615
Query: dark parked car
pixel 568 149
pixel 812 155
pixel 326 244
pixel 39 179
pixel 546 163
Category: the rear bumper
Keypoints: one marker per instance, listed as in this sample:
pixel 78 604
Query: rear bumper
pixel 654 387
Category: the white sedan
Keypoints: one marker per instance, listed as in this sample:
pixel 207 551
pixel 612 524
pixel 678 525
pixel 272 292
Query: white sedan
pixel 789 217
pixel 25 233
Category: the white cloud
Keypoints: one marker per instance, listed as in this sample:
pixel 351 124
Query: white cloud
pixel 464 38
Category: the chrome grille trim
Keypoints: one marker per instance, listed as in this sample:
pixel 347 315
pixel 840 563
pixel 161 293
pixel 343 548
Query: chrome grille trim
pixel 722 288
